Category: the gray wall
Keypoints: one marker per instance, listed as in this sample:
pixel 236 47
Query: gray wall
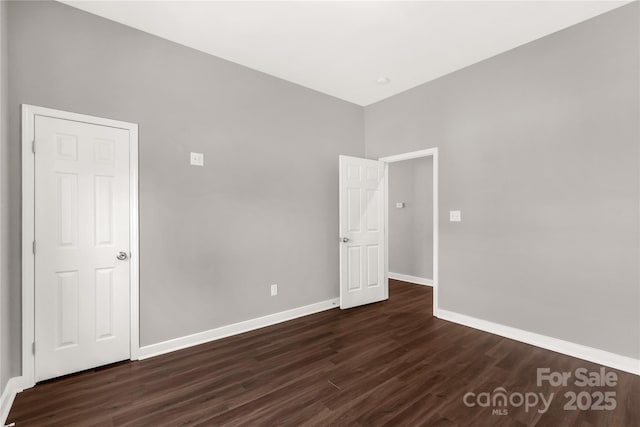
pixel 6 358
pixel 264 208
pixel 411 228
pixel 539 149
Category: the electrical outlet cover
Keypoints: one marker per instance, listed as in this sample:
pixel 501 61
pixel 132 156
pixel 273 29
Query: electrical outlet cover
pixel 197 159
pixel 455 216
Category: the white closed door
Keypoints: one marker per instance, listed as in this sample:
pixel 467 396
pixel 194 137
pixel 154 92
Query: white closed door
pixel 362 234
pixel 81 246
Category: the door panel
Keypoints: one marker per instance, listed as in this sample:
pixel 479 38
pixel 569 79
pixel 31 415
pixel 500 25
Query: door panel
pixel 82 221
pixel 362 275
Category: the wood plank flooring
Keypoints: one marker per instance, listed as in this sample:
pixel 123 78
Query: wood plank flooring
pixel 390 363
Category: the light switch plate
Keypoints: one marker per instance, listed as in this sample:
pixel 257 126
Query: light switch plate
pixel 455 216
pixel 274 290
pixel 399 205
pixel 197 159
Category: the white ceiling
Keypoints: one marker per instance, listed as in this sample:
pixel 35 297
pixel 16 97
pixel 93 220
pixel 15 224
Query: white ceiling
pixel 341 48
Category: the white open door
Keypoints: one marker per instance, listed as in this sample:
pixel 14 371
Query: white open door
pixel 362 234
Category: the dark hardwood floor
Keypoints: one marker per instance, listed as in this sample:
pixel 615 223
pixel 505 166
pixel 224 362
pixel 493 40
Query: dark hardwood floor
pixel 389 363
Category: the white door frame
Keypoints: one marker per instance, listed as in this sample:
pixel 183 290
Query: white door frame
pixel 29 112
pixel 408 156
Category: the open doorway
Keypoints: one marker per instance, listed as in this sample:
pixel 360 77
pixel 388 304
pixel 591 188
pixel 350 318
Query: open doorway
pixel 412 221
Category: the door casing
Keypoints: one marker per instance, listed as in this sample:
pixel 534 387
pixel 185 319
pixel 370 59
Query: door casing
pixel 29 112
pixel 433 152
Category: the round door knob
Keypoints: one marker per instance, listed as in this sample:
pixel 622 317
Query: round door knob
pixel 122 256
pixel 345 239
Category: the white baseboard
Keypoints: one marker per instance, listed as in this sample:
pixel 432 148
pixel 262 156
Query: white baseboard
pixel 13 387
pixel 234 329
pixel 601 357
pixel 411 279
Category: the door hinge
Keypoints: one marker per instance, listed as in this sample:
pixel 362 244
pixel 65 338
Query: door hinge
pixel 33 146
pixel 33 347
pixel 34 247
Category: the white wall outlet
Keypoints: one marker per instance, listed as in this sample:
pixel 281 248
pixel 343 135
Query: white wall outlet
pixel 274 290
pixel 197 159
pixel 455 216
pixel 399 205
